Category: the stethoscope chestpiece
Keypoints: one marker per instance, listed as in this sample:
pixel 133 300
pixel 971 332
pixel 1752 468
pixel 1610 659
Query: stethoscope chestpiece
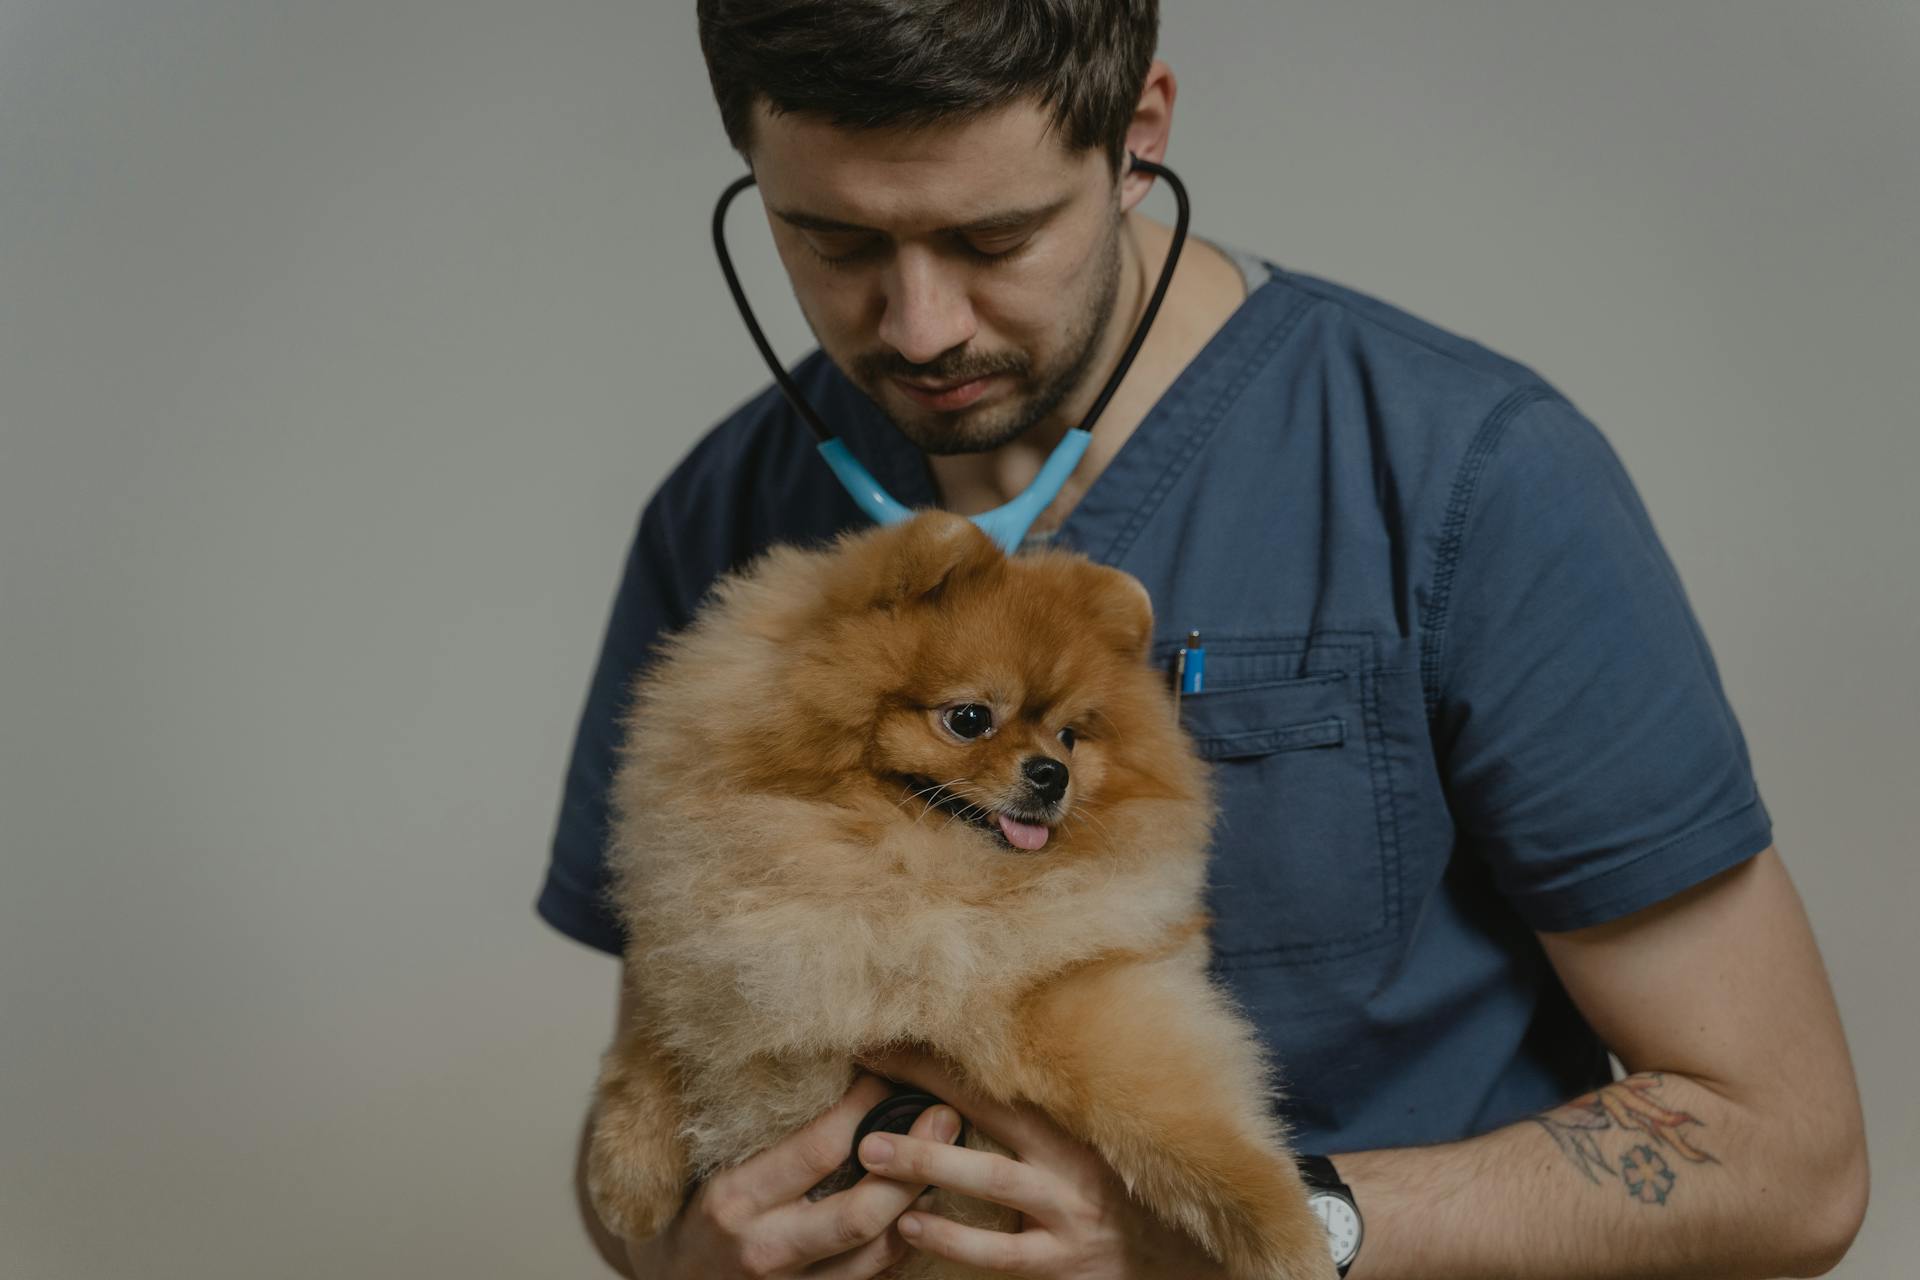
pixel 896 1114
pixel 893 1114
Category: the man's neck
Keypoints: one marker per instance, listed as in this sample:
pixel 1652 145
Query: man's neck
pixel 1206 289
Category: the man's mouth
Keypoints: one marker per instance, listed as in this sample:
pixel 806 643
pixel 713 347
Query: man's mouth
pixel 947 395
pixel 1015 829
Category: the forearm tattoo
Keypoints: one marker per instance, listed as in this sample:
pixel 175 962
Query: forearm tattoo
pixel 1646 1139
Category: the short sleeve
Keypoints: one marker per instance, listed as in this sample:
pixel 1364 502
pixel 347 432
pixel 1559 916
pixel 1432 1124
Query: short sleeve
pixel 754 480
pixel 1588 750
pixel 650 602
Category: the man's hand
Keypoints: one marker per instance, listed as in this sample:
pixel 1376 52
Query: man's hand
pixel 1078 1221
pixel 753 1221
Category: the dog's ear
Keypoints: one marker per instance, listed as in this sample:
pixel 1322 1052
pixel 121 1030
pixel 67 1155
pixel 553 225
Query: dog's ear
pixel 1122 611
pixel 918 559
pixel 934 549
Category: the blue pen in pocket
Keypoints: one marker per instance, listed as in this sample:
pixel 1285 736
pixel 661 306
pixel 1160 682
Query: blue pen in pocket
pixel 1189 668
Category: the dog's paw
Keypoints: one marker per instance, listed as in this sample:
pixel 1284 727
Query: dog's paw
pixel 1269 1241
pixel 635 1194
pixel 1250 1213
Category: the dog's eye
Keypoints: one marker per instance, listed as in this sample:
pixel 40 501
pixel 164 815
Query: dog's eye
pixel 969 720
pixel 1066 738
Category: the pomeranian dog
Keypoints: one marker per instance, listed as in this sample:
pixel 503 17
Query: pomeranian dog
pixel 908 790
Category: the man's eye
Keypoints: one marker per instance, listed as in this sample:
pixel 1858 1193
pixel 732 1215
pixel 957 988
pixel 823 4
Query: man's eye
pixel 990 250
pixel 840 252
pixel 970 720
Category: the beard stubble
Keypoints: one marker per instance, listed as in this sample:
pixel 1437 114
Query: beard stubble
pixel 989 428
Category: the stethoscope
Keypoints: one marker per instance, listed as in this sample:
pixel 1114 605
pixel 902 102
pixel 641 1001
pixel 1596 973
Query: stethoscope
pixel 1007 524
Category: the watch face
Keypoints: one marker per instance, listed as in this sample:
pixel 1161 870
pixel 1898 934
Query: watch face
pixel 1342 1222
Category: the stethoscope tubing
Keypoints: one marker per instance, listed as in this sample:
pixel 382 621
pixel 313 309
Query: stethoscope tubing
pixel 1008 523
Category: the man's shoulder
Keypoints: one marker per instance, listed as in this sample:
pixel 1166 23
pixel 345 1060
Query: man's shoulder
pixel 1387 392
pixel 763 435
pixel 756 477
pixel 1361 330
pixel 763 454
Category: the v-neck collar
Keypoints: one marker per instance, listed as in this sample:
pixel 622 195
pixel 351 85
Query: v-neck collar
pixel 1117 505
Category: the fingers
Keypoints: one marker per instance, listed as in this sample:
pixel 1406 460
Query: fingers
pixel 790 1167
pixel 983 1175
pixel 1023 1253
pixel 1019 1129
pixel 864 1263
pixel 864 1213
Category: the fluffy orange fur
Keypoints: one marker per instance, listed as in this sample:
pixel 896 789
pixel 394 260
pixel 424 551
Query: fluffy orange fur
pixel 793 897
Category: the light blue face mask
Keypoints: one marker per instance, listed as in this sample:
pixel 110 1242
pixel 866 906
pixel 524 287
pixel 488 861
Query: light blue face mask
pixel 1008 524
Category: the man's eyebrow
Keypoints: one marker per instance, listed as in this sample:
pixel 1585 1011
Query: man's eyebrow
pixel 1009 220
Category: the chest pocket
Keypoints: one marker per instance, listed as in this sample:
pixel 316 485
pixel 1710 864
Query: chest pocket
pixel 1303 861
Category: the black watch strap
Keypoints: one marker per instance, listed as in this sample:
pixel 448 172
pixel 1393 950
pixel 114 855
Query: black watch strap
pixel 1320 1176
pixel 1318 1171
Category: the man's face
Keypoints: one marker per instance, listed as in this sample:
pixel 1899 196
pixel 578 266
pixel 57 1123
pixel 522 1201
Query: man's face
pixel 962 275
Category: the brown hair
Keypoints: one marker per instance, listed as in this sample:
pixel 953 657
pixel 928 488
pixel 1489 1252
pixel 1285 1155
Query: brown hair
pixel 866 64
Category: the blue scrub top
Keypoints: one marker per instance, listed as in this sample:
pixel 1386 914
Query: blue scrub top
pixel 1454 690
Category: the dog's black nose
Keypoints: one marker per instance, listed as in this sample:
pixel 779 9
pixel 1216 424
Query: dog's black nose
pixel 1048 776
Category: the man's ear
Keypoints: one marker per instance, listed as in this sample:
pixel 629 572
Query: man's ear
pixel 1148 131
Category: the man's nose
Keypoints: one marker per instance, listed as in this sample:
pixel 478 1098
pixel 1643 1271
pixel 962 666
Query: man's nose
pixel 927 309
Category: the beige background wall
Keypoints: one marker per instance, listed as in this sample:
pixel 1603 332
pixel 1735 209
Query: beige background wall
pixel 340 343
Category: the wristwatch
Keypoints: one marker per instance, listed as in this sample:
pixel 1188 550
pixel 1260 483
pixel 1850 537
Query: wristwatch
pixel 1333 1201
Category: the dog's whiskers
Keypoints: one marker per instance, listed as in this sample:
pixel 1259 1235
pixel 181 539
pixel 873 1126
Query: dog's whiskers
pixel 970 810
pixel 909 794
pixel 1094 820
pixel 933 802
pixel 934 798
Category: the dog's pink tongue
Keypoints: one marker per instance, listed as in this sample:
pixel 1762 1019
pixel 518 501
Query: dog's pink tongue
pixel 1025 835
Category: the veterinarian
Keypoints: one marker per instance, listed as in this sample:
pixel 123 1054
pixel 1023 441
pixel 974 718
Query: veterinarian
pixel 1487 814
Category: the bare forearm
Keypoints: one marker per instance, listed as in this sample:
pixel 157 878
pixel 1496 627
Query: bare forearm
pixel 1652 1176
